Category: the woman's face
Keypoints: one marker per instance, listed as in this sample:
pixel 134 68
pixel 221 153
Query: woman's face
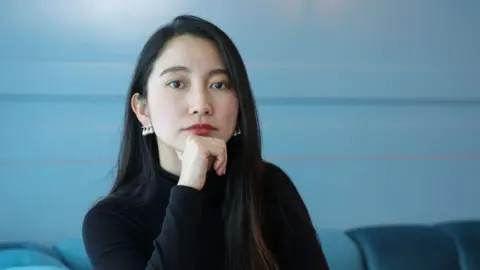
pixel 189 85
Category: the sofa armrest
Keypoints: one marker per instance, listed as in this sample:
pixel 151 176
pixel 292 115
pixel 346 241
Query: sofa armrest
pixel 400 247
pixel 467 239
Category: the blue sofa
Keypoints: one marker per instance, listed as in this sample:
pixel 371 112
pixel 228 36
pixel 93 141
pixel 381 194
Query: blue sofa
pixel 443 246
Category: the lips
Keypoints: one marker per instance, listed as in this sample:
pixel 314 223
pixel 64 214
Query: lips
pixel 201 129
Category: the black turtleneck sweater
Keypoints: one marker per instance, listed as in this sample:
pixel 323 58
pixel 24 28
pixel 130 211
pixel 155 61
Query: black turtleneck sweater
pixel 182 228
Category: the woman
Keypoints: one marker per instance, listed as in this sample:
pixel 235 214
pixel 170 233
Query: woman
pixel 192 190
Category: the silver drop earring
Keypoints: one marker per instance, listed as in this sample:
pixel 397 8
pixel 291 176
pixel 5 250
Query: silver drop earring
pixel 237 132
pixel 147 130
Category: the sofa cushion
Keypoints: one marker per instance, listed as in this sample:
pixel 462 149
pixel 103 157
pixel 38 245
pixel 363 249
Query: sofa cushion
pixel 73 254
pixel 37 268
pixel 20 254
pixel 400 247
pixel 340 251
pixel 467 238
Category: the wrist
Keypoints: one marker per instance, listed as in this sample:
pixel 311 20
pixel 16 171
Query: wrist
pixel 196 184
pixel 197 187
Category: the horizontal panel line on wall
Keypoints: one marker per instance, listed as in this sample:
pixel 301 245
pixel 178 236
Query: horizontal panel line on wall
pixel 474 156
pixel 339 66
pixel 272 100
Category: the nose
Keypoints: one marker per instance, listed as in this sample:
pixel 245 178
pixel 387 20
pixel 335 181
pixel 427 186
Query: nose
pixel 200 103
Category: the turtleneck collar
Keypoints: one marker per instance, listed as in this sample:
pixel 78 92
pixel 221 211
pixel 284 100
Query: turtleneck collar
pixel 214 186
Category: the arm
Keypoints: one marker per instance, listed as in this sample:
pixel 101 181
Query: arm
pixel 111 242
pixel 298 245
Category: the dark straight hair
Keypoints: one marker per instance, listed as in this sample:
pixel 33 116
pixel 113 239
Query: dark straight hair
pixel 246 248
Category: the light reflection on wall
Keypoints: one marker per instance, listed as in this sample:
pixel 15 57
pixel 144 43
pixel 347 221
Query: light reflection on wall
pixel 107 19
pixel 319 11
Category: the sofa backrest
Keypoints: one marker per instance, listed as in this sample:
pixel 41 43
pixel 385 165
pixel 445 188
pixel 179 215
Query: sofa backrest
pixel 443 246
pixel 450 245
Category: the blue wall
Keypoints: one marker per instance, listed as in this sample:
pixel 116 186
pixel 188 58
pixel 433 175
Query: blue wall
pixel 372 107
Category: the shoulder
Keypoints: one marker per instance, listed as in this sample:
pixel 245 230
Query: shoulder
pixel 109 205
pixel 110 225
pixel 278 183
pixel 272 170
pixel 107 213
pixel 109 221
pixel 282 198
pixel 288 227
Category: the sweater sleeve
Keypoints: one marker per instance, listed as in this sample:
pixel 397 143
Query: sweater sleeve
pixel 111 243
pixel 296 242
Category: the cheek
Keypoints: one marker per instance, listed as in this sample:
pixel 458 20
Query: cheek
pixel 230 110
pixel 164 115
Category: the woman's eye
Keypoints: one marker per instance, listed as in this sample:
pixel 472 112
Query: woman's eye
pixel 219 86
pixel 176 84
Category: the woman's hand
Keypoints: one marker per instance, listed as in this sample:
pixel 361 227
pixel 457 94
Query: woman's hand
pixel 199 155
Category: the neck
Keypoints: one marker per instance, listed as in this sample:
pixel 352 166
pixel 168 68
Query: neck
pixel 169 159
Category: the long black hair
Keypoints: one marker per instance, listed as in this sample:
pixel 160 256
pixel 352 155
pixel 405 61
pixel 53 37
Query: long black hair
pixel 245 244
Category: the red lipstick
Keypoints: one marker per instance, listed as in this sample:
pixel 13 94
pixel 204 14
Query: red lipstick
pixel 200 129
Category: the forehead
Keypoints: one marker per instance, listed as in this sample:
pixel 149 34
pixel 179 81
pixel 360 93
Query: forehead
pixel 198 54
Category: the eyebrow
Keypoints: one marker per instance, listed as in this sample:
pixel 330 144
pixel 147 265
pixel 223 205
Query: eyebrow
pixel 218 71
pixel 186 69
pixel 174 69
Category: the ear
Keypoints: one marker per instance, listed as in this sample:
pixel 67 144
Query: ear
pixel 140 108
